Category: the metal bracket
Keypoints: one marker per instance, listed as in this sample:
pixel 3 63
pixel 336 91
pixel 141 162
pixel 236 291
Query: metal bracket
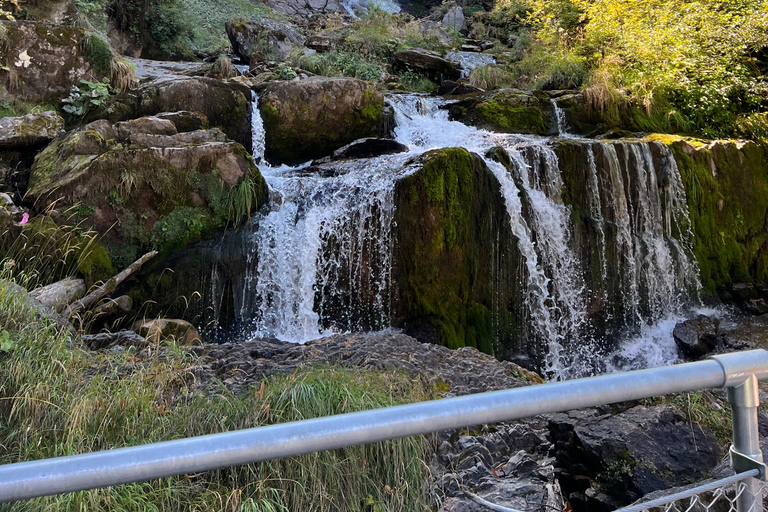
pixel 742 463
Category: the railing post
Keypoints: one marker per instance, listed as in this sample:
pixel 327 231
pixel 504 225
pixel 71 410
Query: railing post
pixel 744 399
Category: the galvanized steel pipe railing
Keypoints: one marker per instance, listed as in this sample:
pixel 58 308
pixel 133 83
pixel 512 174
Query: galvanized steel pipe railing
pixel 739 371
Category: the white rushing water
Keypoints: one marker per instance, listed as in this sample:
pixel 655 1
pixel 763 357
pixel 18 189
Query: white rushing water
pixel 322 254
pixel 467 61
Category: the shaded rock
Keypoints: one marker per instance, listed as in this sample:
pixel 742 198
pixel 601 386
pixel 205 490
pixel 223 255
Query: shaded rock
pixel 186 121
pixel 29 130
pixel 147 190
pixel 756 307
pixel 60 294
pixel 156 330
pixel 508 111
pixel 454 19
pixel 616 459
pixel 427 62
pixel 451 223
pixel 312 118
pixel 451 88
pixel 744 292
pixel 226 105
pixel 696 337
pixel 46 61
pixel 369 148
pixel 272 38
pixel 107 340
pixel 323 43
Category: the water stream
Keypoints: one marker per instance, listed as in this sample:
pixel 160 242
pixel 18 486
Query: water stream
pixel 322 254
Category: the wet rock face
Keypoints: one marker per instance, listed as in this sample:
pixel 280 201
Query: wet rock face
pixel 143 185
pixel 312 118
pixel 447 254
pixel 427 62
pixel 29 130
pixel 272 38
pixel 45 61
pixel 609 460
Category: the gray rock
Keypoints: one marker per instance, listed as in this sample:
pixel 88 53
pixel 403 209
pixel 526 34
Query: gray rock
pixel 744 291
pixel 427 62
pixel 186 121
pixel 58 295
pixel 145 125
pixel 454 19
pixel 273 38
pixel 107 340
pixel 307 7
pixel 625 456
pixel 756 307
pixel 29 130
pixel 323 43
pixel 696 337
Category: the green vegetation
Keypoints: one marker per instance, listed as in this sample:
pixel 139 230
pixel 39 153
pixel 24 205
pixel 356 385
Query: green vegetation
pixel 58 398
pixel 674 66
pixel 85 97
pixel 22 108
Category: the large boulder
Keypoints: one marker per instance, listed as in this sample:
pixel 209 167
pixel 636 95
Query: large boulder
pixel 427 62
pixel 452 239
pixel 610 460
pixel 29 130
pixel 312 118
pixel 42 61
pixel 225 105
pixel 508 111
pixel 696 337
pixel 272 38
pixel 144 186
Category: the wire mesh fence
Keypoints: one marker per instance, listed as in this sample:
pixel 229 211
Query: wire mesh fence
pixel 717 496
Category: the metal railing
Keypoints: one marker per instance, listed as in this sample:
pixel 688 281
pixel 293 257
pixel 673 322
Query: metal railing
pixel 738 372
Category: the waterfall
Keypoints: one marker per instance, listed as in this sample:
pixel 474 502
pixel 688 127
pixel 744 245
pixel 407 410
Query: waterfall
pixel 321 258
pixel 562 124
pixel 467 61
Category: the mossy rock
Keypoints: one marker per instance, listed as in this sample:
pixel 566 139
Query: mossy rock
pixel 454 255
pixel 145 191
pixel 314 117
pixel 726 183
pixel 508 111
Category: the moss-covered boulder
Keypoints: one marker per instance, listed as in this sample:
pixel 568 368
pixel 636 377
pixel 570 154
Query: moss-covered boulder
pixel 726 184
pixel 226 105
pixel 454 255
pixel 508 111
pixel 40 62
pixel 312 118
pixel 29 130
pixel 144 186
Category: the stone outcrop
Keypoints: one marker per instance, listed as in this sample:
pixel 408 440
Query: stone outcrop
pixel 307 7
pixel 312 118
pixel 143 185
pixel 29 130
pixel 452 230
pixel 225 105
pixel 427 62
pixel 507 111
pixel 272 38
pixel 43 61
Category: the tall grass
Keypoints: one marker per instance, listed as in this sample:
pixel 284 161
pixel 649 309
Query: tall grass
pixel 59 399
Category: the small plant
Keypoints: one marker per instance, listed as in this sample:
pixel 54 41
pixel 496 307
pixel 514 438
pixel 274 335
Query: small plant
pixel 415 82
pixel 284 72
pixel 82 99
pixel 6 344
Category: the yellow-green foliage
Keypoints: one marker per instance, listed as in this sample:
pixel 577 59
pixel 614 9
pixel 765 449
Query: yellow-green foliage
pixel 59 399
pixel 491 77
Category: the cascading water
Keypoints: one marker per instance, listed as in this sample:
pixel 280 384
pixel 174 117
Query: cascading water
pixel 321 257
pixel 467 61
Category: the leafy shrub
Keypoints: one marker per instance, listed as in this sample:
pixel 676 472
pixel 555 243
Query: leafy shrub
pixel 416 82
pixel 87 96
pixel 341 62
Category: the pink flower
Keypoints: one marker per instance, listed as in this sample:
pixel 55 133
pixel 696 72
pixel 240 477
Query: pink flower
pixel 24 219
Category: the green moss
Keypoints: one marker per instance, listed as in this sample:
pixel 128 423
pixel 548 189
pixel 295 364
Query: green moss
pixel 727 188
pixel 179 228
pixel 446 215
pixel 98 54
pixel 507 117
pixel 95 265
